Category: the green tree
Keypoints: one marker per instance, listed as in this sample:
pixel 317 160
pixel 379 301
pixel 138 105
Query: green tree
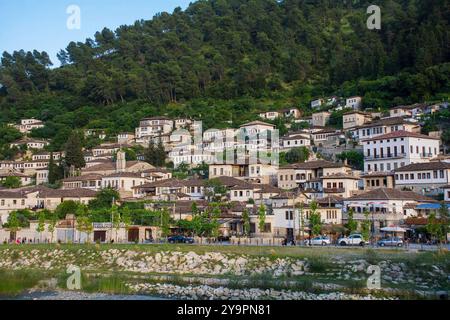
pixel 13 222
pixel 354 158
pixel 150 153
pixel 351 224
pixel 11 182
pixel 315 220
pixel 41 224
pixel 53 221
pixel 246 222
pixel 104 199
pixel 165 222
pixel 54 171
pixel 261 218
pixel 66 207
pixel 74 152
pixel 116 220
pixel 365 226
pixel 295 155
pixel 301 217
pixel 160 154
pixel 84 222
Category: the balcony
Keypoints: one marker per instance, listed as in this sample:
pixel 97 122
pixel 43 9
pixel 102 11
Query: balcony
pixel 426 155
pixel 385 156
pixel 334 190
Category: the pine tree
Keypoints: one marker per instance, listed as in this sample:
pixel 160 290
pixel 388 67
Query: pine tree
pixel 74 152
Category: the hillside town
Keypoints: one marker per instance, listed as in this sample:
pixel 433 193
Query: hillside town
pixel 376 172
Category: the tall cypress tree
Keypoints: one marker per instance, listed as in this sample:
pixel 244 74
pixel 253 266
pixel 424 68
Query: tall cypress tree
pixel 74 152
pixel 160 154
pixel 150 153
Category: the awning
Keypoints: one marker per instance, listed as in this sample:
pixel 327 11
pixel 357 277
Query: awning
pixel 393 229
pixel 431 206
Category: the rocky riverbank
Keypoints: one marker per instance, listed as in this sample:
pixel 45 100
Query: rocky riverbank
pixel 225 275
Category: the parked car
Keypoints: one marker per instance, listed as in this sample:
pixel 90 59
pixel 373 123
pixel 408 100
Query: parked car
pixel 180 239
pixel 319 241
pixel 390 242
pixel 352 240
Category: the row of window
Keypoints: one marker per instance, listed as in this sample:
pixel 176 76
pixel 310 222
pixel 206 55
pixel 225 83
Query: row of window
pixel 421 175
pixel 382 167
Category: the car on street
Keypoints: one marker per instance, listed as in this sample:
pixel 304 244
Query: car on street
pixel 355 239
pixel 390 242
pixel 319 241
pixel 180 239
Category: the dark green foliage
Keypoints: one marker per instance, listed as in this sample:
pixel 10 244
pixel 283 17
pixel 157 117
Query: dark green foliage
pixel 74 153
pixel 104 199
pixel 300 154
pixel 11 183
pixel 55 172
pixel 223 61
pixel 354 158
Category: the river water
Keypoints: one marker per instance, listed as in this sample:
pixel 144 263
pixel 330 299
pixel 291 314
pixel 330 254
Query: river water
pixel 73 295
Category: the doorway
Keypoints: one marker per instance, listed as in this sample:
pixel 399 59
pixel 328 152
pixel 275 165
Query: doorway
pixel 99 236
pixel 133 235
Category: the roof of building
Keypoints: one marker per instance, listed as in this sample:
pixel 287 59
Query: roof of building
pixel 124 175
pixel 357 111
pixel 435 165
pixel 257 122
pixel 111 146
pixel 110 165
pixel 377 174
pixel 409 107
pixel 390 194
pixel 11 194
pixel 63 193
pixel 14 174
pixel 402 134
pixel 156 118
pixel 85 177
pixel 385 122
pixel 314 164
pixel 341 175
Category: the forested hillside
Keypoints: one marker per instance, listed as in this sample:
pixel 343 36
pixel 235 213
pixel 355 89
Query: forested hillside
pixel 220 60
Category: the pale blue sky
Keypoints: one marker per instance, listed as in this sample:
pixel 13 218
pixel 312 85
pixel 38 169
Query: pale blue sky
pixel 41 24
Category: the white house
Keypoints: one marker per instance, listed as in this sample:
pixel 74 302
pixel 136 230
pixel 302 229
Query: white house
pixel 153 127
pixel 26 125
pixel 446 193
pixel 394 150
pixel 269 115
pixel 31 144
pixel 353 103
pixel 320 119
pixel 317 103
pixel 386 207
pixel 354 119
pixel 383 126
pixel 425 178
pixel 295 140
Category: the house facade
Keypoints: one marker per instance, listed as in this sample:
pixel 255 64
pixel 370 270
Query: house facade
pixel 397 149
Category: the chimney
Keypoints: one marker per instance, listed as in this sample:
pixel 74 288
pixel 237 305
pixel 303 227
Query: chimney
pixel 121 162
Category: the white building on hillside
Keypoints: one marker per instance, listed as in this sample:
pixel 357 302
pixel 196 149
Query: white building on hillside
pixel 397 149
